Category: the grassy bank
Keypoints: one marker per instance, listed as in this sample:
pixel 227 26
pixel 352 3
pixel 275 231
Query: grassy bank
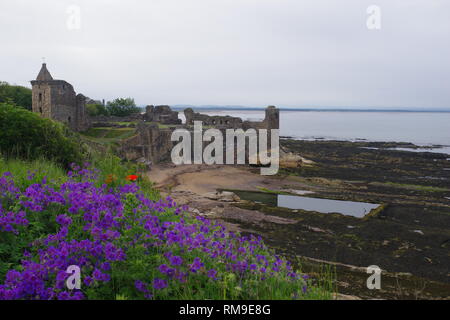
pixel 127 246
pixel 80 205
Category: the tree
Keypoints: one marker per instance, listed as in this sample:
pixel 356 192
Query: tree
pixel 18 95
pixel 96 110
pixel 122 107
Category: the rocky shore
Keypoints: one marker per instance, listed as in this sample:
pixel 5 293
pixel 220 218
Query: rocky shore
pixel 408 236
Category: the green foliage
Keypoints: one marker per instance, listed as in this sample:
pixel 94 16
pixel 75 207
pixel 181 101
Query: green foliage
pixel 122 107
pixel 142 259
pixel 24 134
pixel 410 186
pixel 28 172
pixel 97 110
pixel 18 95
pixel 142 262
pixel 108 137
pixel 110 132
pixel 25 174
pixel 112 170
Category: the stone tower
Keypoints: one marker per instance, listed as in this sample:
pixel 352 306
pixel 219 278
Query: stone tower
pixel 57 100
pixel 272 119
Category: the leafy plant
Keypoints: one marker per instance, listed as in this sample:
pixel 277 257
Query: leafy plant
pixel 26 135
pixel 122 107
pixel 18 95
pixel 127 246
pixel 97 110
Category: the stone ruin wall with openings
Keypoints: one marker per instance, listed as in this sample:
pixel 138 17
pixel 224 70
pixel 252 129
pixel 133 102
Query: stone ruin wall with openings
pixel 153 143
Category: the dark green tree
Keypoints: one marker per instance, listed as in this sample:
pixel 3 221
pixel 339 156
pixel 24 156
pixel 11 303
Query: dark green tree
pixel 97 110
pixel 122 107
pixel 18 95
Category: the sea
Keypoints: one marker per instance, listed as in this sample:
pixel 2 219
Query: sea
pixel 425 129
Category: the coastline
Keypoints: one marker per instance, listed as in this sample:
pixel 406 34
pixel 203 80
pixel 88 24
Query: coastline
pixel 342 171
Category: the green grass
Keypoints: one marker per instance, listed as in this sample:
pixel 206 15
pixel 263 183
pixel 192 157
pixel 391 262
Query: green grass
pixel 324 284
pixel 125 123
pixel 321 287
pixel 109 133
pixel 411 186
pixel 28 172
pixel 108 136
pixel 266 190
pixel 162 126
pixel 110 165
pixel 107 163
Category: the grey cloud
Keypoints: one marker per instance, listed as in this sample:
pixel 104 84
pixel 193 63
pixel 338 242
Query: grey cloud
pixel 244 52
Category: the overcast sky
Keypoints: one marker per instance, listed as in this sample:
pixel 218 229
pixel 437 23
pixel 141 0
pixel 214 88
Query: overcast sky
pixel 289 53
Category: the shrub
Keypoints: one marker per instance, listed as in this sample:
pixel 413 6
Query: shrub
pixel 28 172
pixel 127 246
pixel 26 135
pixel 96 110
pixel 18 95
pixel 122 107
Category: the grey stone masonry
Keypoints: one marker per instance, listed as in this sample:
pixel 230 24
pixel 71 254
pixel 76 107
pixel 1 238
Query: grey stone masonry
pixel 57 100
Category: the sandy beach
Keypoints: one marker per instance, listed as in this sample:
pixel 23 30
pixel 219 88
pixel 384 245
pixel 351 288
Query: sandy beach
pixel 201 179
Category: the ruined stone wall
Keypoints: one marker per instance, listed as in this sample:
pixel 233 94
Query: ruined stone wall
pixel 105 119
pixel 271 121
pixel 150 142
pixel 219 122
pixel 41 100
pixel 63 103
pixel 83 122
pixel 57 100
pixel 154 143
pixel 161 114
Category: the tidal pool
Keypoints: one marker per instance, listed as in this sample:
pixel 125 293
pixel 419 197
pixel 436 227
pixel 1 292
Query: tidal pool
pixel 350 208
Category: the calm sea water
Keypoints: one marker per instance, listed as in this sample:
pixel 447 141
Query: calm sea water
pixel 420 128
pixel 352 208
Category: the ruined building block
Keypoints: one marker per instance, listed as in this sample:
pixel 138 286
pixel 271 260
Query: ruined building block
pixel 161 114
pixel 57 100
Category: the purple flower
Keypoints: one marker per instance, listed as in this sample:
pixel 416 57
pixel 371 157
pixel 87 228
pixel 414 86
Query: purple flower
pixel 159 284
pixel 99 276
pixel 141 286
pixel 97 226
pixel 212 274
pixel 196 265
pixel 176 260
pixel 63 220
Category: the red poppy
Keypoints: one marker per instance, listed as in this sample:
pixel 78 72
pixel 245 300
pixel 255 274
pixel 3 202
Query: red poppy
pixel 132 177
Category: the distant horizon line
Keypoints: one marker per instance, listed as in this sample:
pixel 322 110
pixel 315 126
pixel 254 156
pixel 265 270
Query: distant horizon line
pixel 322 109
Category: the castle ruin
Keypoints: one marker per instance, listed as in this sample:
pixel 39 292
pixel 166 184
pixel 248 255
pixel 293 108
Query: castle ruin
pixel 57 100
pixel 161 114
pixel 271 120
pixel 152 141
